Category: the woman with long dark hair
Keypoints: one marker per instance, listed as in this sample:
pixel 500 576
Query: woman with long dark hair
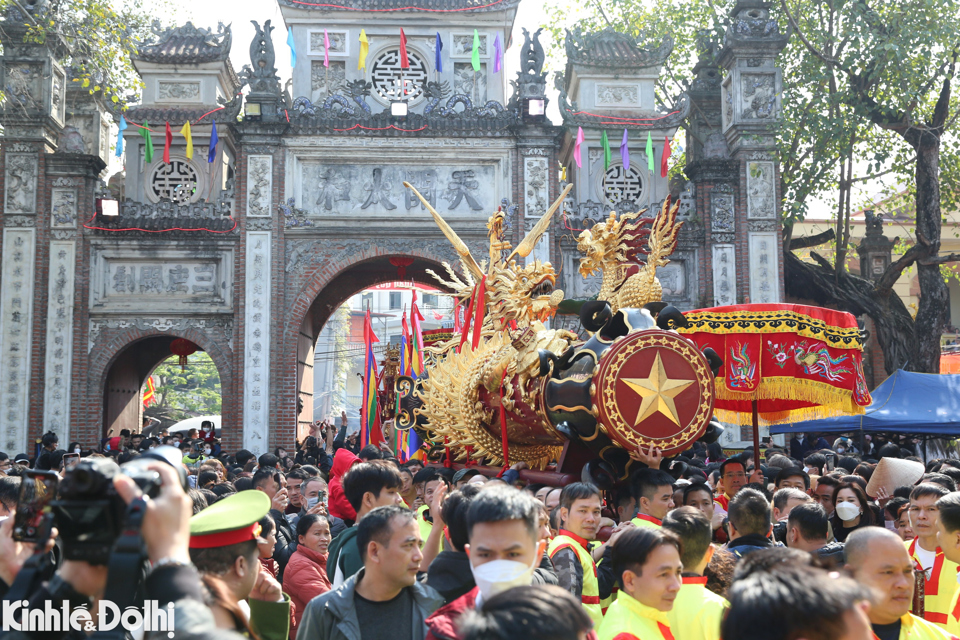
pixel 851 510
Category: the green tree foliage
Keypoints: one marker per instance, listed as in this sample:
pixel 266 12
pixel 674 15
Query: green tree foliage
pixel 99 37
pixel 866 95
pixel 182 394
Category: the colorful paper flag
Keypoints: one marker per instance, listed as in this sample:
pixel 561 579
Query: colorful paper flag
pixel 416 350
pixel 576 148
pixel 147 142
pixel 437 315
pixel 404 61
pixel 364 50
pixel 497 54
pixel 607 156
pixel 650 164
pixel 167 141
pixel 293 49
pixel 625 150
pixel 405 365
pixel 475 55
pixel 188 134
pixel 121 128
pixel 326 49
pixel 212 150
pixel 438 63
pixel 150 392
pixel 369 414
pixel 479 309
pixel 664 157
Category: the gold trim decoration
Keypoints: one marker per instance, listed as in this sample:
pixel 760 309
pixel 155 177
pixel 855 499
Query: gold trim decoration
pixel 774 321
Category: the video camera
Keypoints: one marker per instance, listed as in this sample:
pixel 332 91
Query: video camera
pixel 90 515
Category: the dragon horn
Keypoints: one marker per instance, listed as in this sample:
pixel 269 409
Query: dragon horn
pixel 458 244
pixel 530 240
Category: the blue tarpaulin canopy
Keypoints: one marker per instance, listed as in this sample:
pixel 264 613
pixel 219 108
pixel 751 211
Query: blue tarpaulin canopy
pixel 921 403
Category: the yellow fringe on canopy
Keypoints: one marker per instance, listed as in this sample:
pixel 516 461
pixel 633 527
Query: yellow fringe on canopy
pixel 769 322
pixel 826 401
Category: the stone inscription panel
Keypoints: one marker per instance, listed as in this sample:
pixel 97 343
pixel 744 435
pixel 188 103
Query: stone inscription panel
pixel 724 275
pixel 764 267
pixel 124 282
pixel 56 395
pixel 355 189
pixel 256 341
pixel 16 320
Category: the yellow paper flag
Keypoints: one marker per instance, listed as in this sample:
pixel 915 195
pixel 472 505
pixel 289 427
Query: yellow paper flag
pixel 185 132
pixel 364 48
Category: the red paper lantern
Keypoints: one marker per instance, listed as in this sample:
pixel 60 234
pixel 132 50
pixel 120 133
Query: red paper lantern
pixel 401 263
pixel 183 348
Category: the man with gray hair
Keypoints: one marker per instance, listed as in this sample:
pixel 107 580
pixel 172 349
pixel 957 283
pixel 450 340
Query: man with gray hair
pixel 878 560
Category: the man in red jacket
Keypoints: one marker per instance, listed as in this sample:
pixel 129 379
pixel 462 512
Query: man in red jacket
pixel 504 549
pixel 337 503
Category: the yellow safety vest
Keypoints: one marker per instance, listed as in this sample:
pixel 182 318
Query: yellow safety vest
pixel 939 588
pixel 590 596
pixel 697 611
pixel 628 619
pixel 643 520
pixel 953 617
pixel 915 628
pixel 425 526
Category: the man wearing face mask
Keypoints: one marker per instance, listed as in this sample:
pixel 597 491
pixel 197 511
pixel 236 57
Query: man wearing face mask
pixel 504 551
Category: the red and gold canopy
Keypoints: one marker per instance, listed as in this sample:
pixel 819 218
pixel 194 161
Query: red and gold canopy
pixel 797 362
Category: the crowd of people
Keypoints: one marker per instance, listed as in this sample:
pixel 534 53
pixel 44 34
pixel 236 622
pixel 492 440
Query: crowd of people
pixel 335 542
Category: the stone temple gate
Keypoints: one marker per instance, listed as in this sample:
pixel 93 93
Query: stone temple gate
pixel 248 252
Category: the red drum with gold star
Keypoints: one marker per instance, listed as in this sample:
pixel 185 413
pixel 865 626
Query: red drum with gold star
pixel 654 388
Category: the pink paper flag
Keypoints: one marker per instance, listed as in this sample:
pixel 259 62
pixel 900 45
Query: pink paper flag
pixel 497 55
pixel 576 148
pixel 326 49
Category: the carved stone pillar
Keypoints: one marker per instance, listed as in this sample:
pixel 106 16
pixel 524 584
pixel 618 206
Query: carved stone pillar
pixel 750 102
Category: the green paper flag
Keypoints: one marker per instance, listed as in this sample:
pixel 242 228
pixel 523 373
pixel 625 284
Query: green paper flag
pixel 606 150
pixel 475 56
pixel 650 163
pixel 147 142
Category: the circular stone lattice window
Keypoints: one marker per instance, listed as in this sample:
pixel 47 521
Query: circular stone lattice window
pixel 622 184
pixel 175 182
pixel 390 82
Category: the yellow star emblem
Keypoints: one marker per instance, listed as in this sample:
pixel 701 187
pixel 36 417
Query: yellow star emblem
pixel 658 392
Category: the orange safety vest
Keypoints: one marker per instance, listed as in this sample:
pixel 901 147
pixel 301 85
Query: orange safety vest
pixel 629 619
pixel 590 596
pixel 939 588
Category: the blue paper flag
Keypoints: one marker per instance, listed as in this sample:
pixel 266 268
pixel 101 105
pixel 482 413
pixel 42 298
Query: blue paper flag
pixel 122 127
pixel 625 150
pixel 212 153
pixel 439 64
pixel 293 49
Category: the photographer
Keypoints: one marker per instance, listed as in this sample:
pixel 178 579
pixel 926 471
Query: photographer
pixel 172 578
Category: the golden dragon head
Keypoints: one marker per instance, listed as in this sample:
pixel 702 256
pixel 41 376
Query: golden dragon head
pixel 605 245
pixel 522 294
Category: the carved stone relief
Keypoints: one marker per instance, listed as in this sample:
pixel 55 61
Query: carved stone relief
pixel 98 326
pixel 463 45
pixel 58 367
pixel 345 189
pixel 626 95
pixel 16 321
pixel 259 185
pixel 338 42
pixel 722 209
pixel 63 208
pixel 256 343
pixel 535 179
pixel 673 280
pixel 724 275
pixel 469 82
pixel 57 95
pixel 758 95
pixel 187 91
pixel 761 194
pixel 23 85
pixel 764 268
pixel 21 183
pixel 327 81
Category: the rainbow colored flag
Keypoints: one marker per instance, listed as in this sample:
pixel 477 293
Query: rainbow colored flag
pixel 369 410
pixel 416 354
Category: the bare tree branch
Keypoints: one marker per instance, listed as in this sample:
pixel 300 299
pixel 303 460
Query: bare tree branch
pixel 953 257
pixel 812 241
pixel 892 273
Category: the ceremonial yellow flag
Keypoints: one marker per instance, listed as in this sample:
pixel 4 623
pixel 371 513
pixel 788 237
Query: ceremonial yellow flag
pixel 364 48
pixel 185 132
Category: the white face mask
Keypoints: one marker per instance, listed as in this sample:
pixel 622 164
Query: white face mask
pixel 847 511
pixel 76 449
pixel 892 525
pixel 840 449
pixel 207 451
pixel 499 575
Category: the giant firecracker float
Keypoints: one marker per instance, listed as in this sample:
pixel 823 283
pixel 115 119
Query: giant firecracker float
pixel 507 389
